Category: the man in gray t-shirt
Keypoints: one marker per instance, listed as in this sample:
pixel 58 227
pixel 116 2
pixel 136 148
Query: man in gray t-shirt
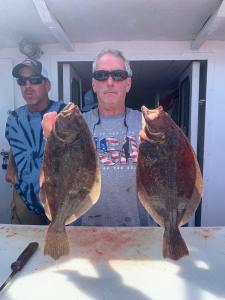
pixel 117 147
pixel 115 130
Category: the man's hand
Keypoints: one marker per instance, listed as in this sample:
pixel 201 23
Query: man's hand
pixel 47 123
pixel 11 175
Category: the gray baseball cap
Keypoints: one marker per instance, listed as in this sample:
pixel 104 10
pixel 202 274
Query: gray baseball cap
pixel 35 65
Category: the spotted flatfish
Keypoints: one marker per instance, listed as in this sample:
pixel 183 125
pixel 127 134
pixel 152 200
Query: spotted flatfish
pixel 70 177
pixel 169 180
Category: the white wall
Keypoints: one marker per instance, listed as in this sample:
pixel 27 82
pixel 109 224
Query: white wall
pixel 68 75
pixel 7 103
pixel 213 207
pixel 214 159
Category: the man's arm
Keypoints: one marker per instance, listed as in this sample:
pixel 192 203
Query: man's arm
pixel 11 173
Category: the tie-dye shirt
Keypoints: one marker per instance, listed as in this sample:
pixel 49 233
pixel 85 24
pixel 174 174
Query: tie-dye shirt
pixel 24 134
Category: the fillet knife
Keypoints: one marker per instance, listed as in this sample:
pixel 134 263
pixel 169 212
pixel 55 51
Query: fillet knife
pixel 17 265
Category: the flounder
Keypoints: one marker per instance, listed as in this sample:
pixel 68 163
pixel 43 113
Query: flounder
pixel 70 177
pixel 169 180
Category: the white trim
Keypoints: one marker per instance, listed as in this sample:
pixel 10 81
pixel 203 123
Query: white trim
pixel 53 25
pixel 66 83
pixel 194 104
pixel 213 23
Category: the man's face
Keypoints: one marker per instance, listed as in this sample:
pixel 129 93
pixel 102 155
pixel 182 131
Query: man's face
pixel 111 93
pixel 34 93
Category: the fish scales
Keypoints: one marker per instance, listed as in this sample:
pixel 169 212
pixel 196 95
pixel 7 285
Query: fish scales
pixel 169 180
pixel 70 177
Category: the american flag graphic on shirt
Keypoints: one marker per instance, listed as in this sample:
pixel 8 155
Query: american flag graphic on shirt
pixel 113 152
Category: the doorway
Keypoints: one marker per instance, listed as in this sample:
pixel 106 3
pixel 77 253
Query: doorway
pixel 178 85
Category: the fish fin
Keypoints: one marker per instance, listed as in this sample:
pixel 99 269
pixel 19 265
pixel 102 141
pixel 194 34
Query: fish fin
pixel 174 246
pixel 56 242
pixel 143 136
pixel 43 196
pixel 85 205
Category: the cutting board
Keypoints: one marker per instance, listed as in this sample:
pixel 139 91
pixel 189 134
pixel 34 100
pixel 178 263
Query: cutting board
pixel 115 263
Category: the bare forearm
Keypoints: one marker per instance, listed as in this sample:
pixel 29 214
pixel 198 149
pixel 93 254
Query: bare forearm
pixel 11 173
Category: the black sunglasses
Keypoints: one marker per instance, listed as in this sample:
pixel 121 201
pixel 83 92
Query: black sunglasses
pixel 117 75
pixel 33 79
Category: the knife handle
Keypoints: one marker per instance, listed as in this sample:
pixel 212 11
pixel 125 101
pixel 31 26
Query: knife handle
pixel 24 257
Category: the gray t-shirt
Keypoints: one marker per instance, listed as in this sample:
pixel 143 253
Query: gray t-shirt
pixel 117 147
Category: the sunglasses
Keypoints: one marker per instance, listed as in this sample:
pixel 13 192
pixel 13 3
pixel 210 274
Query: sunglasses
pixel 34 79
pixel 117 75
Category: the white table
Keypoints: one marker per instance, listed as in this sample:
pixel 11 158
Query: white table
pixel 115 263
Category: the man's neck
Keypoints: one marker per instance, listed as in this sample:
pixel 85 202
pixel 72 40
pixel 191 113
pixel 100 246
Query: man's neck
pixel 109 111
pixel 39 106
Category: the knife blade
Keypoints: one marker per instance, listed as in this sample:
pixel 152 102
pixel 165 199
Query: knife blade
pixel 17 265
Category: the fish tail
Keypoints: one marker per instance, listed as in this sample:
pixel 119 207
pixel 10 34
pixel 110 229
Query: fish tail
pixel 174 245
pixel 56 242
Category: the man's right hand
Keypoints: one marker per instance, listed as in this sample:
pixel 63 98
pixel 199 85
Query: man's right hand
pixel 47 123
pixel 11 175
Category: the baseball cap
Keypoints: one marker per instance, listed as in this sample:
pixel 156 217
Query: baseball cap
pixel 35 65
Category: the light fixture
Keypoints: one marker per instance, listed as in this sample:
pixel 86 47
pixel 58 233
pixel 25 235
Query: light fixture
pixel 30 49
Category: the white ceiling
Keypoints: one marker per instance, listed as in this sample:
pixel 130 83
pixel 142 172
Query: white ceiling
pixel 109 20
pixel 71 21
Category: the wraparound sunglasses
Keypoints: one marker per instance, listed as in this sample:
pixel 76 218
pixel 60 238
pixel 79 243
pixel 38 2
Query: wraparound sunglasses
pixel 34 79
pixel 117 75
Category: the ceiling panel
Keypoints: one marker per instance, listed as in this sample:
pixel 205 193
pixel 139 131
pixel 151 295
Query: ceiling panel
pixel 107 20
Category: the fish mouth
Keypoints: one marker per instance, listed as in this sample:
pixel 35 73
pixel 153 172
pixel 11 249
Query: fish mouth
pixel 153 134
pixel 69 109
pixel 151 114
pixel 63 128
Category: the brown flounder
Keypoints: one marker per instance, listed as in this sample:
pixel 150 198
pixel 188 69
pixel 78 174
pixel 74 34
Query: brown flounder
pixel 169 180
pixel 70 177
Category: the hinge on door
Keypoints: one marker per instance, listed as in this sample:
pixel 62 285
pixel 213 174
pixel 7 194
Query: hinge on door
pixel 202 101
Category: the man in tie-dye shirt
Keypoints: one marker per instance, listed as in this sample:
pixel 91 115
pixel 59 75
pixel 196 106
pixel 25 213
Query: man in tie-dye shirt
pixel 24 134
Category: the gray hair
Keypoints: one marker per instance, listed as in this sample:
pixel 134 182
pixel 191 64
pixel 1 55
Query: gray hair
pixel 116 53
